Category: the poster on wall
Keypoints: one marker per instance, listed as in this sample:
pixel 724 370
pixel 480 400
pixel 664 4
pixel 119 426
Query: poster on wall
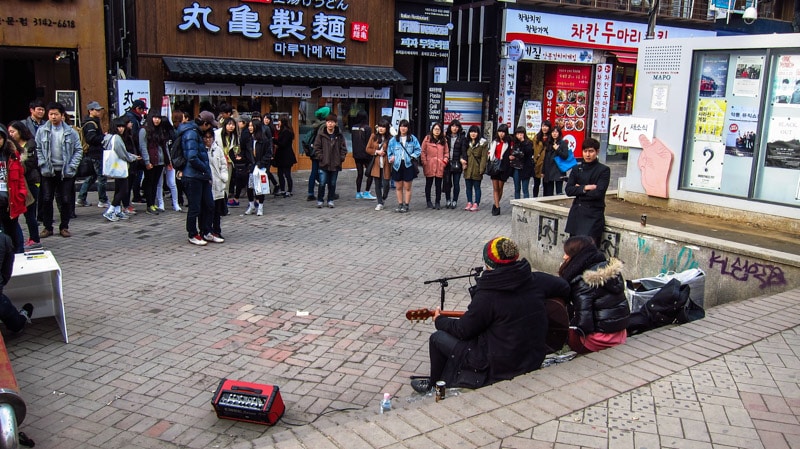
pixel 710 119
pixel 507 90
pixel 130 91
pixel 566 89
pixel 531 117
pixel 786 84
pixel 747 80
pixel 783 143
pixel 707 161
pixel 463 106
pixel 740 139
pixel 714 76
pixel 602 98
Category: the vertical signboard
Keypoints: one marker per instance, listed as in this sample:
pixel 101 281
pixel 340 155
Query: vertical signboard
pixel 507 89
pixel 602 98
pixel 566 92
pixel 130 91
pixel 435 104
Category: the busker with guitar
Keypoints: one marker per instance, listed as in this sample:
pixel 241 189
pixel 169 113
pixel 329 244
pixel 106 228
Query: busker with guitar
pixel 502 333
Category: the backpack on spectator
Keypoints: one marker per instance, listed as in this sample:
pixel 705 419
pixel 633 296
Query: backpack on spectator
pixel 79 130
pixel 176 152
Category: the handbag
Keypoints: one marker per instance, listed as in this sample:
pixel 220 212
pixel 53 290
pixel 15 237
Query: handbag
pixel 86 168
pixel 565 164
pixel 455 166
pixel 494 167
pixel 113 166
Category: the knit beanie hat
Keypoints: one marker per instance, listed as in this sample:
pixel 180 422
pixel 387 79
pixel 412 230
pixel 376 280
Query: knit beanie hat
pixel 500 251
pixel 322 112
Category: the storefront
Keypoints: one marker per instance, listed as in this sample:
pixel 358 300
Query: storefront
pixel 283 58
pixel 46 47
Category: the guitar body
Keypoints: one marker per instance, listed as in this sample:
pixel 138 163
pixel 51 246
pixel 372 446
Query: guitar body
pixel 557 321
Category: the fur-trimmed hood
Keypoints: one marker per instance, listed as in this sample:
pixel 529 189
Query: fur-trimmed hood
pixel 599 274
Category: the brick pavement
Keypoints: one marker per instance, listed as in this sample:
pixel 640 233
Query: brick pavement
pixel 155 323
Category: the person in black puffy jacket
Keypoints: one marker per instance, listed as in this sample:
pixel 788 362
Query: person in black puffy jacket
pixel 597 305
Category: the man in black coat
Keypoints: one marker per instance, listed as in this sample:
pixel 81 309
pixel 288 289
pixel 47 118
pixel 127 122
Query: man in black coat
pixel 502 333
pixel 588 183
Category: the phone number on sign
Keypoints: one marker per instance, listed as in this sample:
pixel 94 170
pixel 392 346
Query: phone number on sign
pixel 54 23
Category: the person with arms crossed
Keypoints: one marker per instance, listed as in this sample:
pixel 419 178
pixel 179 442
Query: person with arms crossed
pixel 588 183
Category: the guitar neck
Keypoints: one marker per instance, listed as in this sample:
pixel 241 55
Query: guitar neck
pixel 452 313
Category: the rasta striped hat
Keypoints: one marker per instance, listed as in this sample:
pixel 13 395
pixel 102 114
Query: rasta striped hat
pixel 500 251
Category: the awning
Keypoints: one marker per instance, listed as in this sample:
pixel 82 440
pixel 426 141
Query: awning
pixel 209 70
pixel 626 57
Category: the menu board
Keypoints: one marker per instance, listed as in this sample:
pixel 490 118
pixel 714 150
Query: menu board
pixel 566 92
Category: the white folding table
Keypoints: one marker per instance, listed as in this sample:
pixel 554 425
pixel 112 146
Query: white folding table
pixel 37 279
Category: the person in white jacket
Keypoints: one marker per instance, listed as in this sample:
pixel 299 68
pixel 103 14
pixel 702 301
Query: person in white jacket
pixel 219 183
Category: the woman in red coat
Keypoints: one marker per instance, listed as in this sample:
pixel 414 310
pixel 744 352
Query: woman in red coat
pixel 434 159
pixel 13 189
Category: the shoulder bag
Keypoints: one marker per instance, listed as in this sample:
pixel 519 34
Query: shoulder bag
pixel 565 164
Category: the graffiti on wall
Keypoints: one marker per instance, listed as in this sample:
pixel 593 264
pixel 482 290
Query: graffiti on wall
pixel 547 236
pixel 743 270
pixel 684 261
pixel 609 244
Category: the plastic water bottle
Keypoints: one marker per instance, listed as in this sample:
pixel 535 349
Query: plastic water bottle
pixel 386 403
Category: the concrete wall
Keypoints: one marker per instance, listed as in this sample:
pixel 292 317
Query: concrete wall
pixel 733 271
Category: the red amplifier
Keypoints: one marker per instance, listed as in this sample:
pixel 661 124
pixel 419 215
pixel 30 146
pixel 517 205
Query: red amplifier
pixel 250 402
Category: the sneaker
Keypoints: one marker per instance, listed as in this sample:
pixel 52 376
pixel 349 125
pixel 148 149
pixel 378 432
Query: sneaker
pixel 178 209
pixel 287 194
pixel 474 207
pixel 122 215
pixel 422 385
pixel 82 203
pixel 403 208
pixel 45 233
pixel 31 245
pixel 196 240
pixel 399 208
pixel 233 203
pixel 161 209
pixel 103 204
pixel 379 207
pixel 230 202
pixel 250 209
pixel 27 312
pixel 213 238
pixel 320 204
pixel 330 204
pixel 359 196
pixel 368 196
pixel 152 210
pixel 260 210
pixel 468 206
pixel 110 216
pixel 130 210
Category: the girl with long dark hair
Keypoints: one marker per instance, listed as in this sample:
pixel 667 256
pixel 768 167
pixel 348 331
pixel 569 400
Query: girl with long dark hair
pixel 457 146
pixel 402 150
pixel 434 157
pixel 540 142
pixel 377 147
pixel 26 145
pixel 553 177
pixel 154 139
pixel 262 156
pixel 284 156
pixel 474 162
pixel 227 139
pixel 500 149
pixel 12 200
pixel 521 161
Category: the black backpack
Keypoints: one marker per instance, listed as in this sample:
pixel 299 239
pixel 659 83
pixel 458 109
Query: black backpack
pixel 670 305
pixel 176 151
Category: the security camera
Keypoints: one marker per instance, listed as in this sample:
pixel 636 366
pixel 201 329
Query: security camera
pixel 750 15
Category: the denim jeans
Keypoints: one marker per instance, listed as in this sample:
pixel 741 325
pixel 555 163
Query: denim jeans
pixel 201 206
pixel 327 178
pixel 519 180
pixel 97 177
pixel 473 185
pixel 455 185
pixel 62 191
pixel 313 176
pixel 381 189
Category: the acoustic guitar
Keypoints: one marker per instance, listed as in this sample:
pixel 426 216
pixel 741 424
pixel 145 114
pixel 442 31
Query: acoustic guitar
pixel 557 318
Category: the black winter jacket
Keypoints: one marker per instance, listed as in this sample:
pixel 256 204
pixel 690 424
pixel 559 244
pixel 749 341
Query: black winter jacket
pixel 458 150
pixel 506 322
pixel 550 170
pixel 598 300
pixel 93 135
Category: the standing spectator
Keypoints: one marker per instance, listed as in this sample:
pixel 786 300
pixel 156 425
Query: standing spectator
pixel 521 161
pixel 474 162
pixel 219 179
pixel 59 152
pixel 361 133
pixel 241 157
pixel 457 145
pixel 330 149
pixel 433 155
pixel 136 115
pixel 261 150
pixel 377 147
pixel 402 149
pixel 598 307
pixel 197 177
pixel 93 136
pixel 540 143
pixel 271 132
pixel 227 138
pixel 553 177
pixel 178 118
pixel 500 149
pixel 26 145
pixel 122 144
pixel 154 140
pixel 14 191
pixel 588 183
pixel 308 146
pixel 36 117
pixel 284 156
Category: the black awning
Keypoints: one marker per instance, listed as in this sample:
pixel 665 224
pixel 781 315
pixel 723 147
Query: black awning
pixel 268 72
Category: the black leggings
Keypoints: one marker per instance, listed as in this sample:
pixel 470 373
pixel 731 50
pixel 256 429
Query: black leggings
pixel 430 181
pixel 151 179
pixel 285 178
pixel 121 193
pixel 239 182
pixel 361 165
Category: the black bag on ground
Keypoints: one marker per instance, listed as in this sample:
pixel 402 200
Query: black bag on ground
pixel 671 304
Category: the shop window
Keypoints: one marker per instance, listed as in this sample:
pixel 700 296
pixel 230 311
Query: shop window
pixel 622 89
pixel 743 129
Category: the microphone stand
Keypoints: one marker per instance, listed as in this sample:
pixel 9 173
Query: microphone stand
pixel 443 281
